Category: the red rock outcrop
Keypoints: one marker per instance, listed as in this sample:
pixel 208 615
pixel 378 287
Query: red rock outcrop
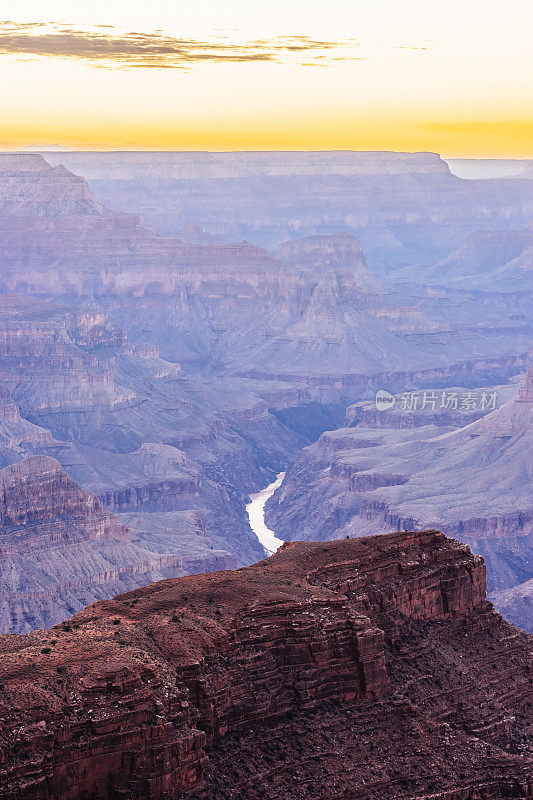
pixel 359 668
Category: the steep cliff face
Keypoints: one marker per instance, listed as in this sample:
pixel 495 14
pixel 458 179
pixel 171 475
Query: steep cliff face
pixel 60 549
pixel 327 670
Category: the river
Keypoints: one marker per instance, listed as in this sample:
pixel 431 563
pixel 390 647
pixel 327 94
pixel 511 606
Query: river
pixel 256 516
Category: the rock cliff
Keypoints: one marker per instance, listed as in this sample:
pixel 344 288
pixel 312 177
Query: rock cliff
pixel 29 185
pixel 367 668
pixel 60 548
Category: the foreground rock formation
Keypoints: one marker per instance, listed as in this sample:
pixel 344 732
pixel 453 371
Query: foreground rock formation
pixel 367 668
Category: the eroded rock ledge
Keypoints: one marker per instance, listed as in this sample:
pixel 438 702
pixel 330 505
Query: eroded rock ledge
pixel 367 668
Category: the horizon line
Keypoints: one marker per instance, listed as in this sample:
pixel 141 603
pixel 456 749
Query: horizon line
pixel 57 150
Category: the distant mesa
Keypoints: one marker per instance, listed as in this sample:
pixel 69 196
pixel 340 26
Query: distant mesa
pixel 183 165
pixel 30 186
pixel 321 254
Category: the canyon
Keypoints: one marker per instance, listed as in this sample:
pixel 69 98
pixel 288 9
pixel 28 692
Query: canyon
pixel 465 470
pixel 405 207
pixel 277 680
pixel 490 261
pixel 171 371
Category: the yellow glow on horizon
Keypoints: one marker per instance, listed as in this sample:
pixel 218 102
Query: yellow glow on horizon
pixel 470 138
pixel 384 76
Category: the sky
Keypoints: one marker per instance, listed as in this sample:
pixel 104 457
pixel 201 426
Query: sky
pixel 453 77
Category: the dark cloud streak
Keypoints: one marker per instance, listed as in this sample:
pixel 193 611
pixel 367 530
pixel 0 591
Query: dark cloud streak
pixel 156 50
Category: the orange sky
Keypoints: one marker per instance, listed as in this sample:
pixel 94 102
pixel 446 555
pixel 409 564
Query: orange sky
pixel 456 78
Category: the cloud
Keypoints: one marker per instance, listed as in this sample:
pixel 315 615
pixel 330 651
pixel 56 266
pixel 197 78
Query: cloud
pixel 106 46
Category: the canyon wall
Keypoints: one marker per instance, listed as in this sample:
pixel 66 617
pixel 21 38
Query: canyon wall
pixel 406 208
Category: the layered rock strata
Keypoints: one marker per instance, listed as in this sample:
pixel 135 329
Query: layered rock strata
pixel 60 548
pixel 405 207
pixel 165 689
pixel 466 470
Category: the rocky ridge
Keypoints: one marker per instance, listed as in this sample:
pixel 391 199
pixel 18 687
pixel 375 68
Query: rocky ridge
pixel 164 690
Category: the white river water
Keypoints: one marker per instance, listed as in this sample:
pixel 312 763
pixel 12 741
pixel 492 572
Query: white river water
pixel 256 515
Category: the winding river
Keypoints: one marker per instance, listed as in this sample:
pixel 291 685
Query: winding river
pixel 256 516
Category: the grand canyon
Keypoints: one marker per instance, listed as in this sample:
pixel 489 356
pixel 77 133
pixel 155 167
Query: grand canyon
pixel 266 400
pixel 177 329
